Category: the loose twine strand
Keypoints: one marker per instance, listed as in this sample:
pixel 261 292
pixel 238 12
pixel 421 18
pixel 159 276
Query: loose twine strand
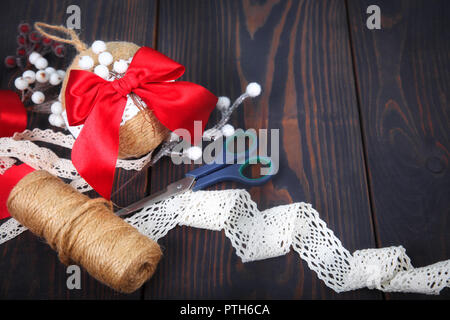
pixel 74 40
pixel 84 231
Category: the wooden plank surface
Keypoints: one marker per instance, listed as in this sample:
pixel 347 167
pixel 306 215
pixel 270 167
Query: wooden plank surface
pixel 318 81
pixel 403 79
pixel 299 52
pixel 30 269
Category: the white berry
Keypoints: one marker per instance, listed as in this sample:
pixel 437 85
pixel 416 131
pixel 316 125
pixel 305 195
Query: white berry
pixel 49 70
pixel 105 58
pixel 227 130
pixel 33 57
pixel 85 62
pixel 51 119
pixel 223 103
pixel 101 71
pixel 194 153
pixel 61 73
pixel 41 63
pixel 55 79
pixel 56 107
pixel 41 76
pixel 58 120
pixel 29 76
pixel 253 89
pixel 98 46
pixel 120 66
pixel 38 97
pixel 20 83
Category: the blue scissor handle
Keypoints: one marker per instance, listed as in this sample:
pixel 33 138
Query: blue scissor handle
pixel 235 173
pixel 227 156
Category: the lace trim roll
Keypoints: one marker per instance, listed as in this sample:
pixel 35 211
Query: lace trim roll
pixel 258 235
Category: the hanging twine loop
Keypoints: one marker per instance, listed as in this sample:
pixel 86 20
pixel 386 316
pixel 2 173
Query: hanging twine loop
pixel 74 40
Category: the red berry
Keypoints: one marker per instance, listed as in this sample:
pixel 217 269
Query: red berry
pixel 10 61
pixel 59 51
pixel 24 28
pixel 21 52
pixel 34 37
pixel 46 41
pixel 37 46
pixel 55 44
pixel 21 40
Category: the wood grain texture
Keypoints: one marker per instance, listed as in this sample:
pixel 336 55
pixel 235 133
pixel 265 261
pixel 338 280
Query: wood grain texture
pixel 299 52
pixel 30 269
pixel 403 78
pixel 319 82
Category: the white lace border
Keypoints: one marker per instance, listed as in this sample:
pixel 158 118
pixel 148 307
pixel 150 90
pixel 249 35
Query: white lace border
pixel 257 235
pixel 254 234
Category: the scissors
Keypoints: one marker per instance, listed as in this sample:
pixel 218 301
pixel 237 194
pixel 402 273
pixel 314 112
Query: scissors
pixel 227 166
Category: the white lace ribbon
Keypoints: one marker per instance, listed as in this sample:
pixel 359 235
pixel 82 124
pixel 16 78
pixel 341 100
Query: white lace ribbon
pixel 255 234
pixel 258 235
pixel 21 147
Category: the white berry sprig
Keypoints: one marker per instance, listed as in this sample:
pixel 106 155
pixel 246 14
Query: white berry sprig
pixel 33 83
pixel 221 129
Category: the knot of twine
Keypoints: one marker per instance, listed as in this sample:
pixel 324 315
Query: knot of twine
pixel 84 231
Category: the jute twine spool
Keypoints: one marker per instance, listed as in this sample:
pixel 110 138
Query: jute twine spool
pixel 139 135
pixel 84 231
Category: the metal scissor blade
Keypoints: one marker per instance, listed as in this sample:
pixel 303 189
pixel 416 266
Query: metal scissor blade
pixel 171 190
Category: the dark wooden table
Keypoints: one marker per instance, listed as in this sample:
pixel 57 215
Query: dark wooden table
pixel 364 129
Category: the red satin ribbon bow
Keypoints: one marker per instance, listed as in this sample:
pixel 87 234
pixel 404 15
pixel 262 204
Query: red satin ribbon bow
pixel 99 105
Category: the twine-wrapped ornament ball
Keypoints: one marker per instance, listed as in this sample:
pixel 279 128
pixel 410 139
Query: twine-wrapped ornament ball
pixel 140 134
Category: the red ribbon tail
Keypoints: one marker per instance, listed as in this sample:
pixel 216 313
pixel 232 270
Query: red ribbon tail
pixel 8 181
pixel 95 151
